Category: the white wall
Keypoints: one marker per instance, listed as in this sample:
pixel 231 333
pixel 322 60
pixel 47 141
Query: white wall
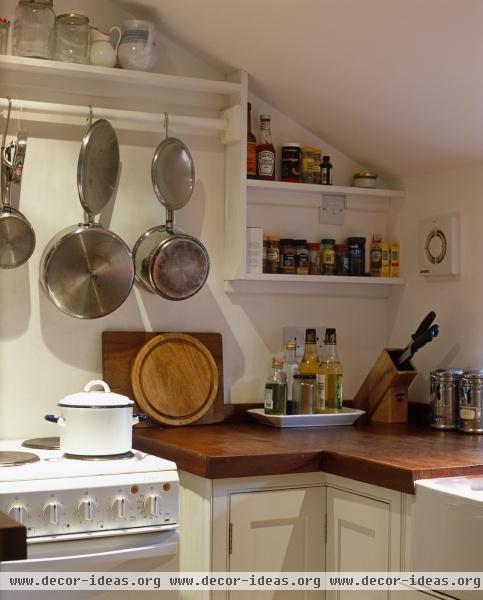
pixel 45 354
pixel 457 301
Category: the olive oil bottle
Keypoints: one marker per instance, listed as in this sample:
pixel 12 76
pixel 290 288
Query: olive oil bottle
pixel 310 362
pixel 330 373
pixel 276 391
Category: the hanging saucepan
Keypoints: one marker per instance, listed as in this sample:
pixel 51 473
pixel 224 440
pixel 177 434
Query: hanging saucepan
pixel 17 237
pixel 87 271
pixel 168 261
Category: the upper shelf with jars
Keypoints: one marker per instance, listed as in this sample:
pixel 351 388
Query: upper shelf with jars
pixel 57 58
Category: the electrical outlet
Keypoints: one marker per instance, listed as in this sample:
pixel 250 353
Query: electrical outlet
pixel 332 209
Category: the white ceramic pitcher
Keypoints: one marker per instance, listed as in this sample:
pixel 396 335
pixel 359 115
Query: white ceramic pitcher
pixel 102 53
pixel 137 49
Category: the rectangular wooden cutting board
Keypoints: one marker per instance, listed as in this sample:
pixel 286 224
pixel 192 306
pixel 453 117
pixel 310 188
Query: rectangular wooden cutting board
pixel 119 349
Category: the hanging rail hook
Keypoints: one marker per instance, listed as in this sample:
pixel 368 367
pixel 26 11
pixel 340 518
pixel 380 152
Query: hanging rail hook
pixel 4 138
pixel 166 119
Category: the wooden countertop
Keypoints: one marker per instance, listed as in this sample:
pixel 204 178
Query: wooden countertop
pixel 392 456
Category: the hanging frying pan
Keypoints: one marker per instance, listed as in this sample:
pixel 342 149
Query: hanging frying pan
pixel 169 262
pixel 87 271
pixel 17 237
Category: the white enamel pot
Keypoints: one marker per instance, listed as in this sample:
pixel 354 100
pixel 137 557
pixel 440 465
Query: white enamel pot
pixel 96 423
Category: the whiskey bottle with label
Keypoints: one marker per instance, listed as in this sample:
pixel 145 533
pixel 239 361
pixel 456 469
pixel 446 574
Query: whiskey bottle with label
pixel 276 390
pixel 265 151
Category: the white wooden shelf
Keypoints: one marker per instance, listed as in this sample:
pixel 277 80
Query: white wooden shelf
pixel 328 279
pixel 308 188
pixel 321 285
pixel 36 78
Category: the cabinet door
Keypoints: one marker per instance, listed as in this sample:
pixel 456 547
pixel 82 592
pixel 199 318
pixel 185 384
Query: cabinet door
pixel 358 538
pixel 278 530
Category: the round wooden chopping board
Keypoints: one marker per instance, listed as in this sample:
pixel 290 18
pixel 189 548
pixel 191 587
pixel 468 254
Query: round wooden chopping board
pixel 174 379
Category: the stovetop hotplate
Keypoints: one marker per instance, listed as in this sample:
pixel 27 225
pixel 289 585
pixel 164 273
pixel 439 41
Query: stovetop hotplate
pixel 10 458
pixel 44 443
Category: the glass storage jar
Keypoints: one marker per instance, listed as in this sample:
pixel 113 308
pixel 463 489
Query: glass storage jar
pixel 73 38
pixel 34 29
pixel 305 394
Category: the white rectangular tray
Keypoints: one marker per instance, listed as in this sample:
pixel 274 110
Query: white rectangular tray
pixel 344 416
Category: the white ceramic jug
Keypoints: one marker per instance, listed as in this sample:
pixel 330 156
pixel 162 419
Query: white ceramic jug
pixel 102 53
pixel 137 49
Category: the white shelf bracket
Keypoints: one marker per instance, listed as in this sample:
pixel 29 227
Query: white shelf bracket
pixel 232 133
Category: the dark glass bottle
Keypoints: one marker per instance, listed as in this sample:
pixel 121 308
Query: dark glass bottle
pixel 326 171
pixel 251 147
pixel 276 391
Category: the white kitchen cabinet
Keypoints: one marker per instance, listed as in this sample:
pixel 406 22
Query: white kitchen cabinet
pixel 299 522
pixel 277 530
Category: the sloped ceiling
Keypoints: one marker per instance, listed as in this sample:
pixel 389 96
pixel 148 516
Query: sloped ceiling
pixel 396 84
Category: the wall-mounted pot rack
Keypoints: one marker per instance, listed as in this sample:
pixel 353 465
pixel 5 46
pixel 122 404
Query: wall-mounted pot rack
pixel 67 114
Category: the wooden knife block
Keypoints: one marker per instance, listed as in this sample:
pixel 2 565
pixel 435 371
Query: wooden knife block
pixel 384 393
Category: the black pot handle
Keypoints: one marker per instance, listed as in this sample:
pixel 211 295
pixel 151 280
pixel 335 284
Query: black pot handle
pixel 141 417
pixel 52 418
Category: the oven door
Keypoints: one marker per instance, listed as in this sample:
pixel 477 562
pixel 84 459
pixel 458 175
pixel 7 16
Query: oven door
pixel 143 552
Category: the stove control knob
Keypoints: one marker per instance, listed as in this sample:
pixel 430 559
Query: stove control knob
pixel 119 507
pixel 152 505
pixel 87 509
pixel 18 512
pixel 52 512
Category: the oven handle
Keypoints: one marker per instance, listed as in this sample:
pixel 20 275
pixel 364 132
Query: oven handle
pixel 151 551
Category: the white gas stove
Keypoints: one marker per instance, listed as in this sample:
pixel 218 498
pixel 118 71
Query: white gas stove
pixel 57 496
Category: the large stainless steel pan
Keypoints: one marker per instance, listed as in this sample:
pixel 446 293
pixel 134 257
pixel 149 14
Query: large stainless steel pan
pixel 87 271
pixel 169 262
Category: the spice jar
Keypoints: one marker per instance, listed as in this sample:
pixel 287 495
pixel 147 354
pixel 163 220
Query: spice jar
pixel 327 266
pixel 357 255
pixel 4 27
pixel 314 258
pixel 73 38
pixel 34 29
pixel 342 259
pixel 365 179
pixel 305 394
pixel 287 257
pixel 302 257
pixel 265 254
pixel 307 165
pixel 291 162
pixel 273 253
pixel 317 162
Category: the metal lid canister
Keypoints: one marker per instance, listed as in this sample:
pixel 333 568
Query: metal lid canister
pixel 471 402
pixel 444 397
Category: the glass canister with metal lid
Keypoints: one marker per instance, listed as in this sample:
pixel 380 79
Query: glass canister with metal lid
pixel 471 402
pixel 444 398
pixel 73 38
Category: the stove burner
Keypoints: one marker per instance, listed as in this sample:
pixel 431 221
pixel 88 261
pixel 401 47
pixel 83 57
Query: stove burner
pixel 122 456
pixel 46 443
pixel 14 459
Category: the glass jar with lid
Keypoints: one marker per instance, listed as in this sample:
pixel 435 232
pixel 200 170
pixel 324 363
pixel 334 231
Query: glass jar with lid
pixel 73 38
pixel 34 29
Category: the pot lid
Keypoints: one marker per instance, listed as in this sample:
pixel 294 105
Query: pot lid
pixel 90 398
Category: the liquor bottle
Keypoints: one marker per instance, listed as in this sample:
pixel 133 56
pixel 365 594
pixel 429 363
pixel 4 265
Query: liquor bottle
pixel 251 147
pixel 265 151
pixel 290 368
pixel 330 373
pixel 326 171
pixel 276 390
pixel 310 361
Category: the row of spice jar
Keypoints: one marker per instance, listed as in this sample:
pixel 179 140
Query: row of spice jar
pixel 299 257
